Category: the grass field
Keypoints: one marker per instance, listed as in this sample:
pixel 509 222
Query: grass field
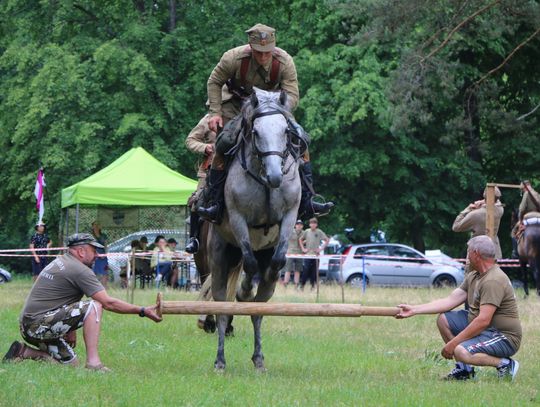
pixel 376 361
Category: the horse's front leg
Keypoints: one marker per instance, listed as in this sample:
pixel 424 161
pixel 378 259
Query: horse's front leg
pixel 280 251
pixel 240 230
pixel 265 290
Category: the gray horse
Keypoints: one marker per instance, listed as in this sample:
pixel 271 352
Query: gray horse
pixel 262 195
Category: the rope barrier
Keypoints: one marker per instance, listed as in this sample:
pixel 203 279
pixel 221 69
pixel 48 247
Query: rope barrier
pixel 181 257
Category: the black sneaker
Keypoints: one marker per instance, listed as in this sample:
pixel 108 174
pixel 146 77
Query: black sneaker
pixel 509 370
pixel 15 351
pixel 460 374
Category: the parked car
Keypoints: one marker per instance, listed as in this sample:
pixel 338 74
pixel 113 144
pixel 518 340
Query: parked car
pixel 399 265
pixel 5 276
pixel 122 246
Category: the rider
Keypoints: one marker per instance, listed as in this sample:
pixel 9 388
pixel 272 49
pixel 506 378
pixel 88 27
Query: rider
pixel 473 219
pixel 529 209
pixel 200 140
pixel 263 65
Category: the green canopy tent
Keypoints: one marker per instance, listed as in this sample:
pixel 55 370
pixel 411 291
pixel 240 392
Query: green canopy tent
pixel 123 194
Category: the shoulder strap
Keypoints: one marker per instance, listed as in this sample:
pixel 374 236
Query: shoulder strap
pixel 274 70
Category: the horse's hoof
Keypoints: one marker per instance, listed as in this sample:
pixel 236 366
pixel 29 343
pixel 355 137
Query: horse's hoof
pixel 258 362
pixel 219 367
pixel 209 326
pixel 229 331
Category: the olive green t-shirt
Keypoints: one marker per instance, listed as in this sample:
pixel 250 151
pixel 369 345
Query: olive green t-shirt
pixel 294 245
pixel 312 240
pixel 64 281
pixel 494 287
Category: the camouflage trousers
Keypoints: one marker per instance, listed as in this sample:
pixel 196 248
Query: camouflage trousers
pixel 47 331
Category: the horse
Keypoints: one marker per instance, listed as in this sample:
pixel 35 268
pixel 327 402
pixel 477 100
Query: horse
pixel 262 195
pixel 529 252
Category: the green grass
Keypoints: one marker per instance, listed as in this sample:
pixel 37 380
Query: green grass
pixel 311 361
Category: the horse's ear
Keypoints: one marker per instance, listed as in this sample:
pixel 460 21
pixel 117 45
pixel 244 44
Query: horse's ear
pixel 254 100
pixel 283 98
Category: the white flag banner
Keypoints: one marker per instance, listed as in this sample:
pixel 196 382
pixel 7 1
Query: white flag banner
pixel 39 192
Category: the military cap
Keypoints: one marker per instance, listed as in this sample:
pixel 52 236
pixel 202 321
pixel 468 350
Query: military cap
pixel 498 193
pixel 79 239
pixel 314 220
pixel 262 38
pixel 299 222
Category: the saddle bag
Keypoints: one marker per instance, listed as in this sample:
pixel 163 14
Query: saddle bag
pixel 229 135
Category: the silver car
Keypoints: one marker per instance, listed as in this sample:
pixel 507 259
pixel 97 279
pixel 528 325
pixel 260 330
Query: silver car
pixel 391 264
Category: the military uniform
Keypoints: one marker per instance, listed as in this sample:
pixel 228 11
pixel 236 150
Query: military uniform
pixel 527 207
pixel 197 141
pixel 474 221
pixel 223 103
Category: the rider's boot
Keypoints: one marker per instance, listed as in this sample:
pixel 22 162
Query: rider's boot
pixel 194 227
pixel 216 201
pixel 308 208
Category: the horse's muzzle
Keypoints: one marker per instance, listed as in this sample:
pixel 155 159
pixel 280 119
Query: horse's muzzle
pixel 274 180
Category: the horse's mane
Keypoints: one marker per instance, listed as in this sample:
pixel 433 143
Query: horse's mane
pixel 267 100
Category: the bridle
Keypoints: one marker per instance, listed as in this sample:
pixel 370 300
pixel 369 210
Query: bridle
pixel 290 148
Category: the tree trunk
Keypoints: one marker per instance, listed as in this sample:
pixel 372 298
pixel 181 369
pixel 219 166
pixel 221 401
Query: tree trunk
pixel 172 15
pixel 417 235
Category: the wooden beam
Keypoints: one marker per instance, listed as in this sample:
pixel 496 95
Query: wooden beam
pixel 495 184
pixel 269 308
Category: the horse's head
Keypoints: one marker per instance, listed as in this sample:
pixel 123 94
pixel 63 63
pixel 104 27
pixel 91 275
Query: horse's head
pixel 266 114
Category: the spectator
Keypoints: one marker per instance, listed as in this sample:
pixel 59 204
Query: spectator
pixel 310 242
pixel 294 265
pixel 54 311
pixel 39 240
pixel 161 260
pixel 101 264
pixel 143 243
pixel 173 279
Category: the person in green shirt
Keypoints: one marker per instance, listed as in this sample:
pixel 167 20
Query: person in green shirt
pixel 310 244
pixel 54 311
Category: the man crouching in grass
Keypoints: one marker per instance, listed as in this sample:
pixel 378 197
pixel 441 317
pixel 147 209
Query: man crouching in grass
pixel 54 311
pixel 490 331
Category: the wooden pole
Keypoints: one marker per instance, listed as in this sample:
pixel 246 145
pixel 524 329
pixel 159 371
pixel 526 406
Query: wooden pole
pixel 265 308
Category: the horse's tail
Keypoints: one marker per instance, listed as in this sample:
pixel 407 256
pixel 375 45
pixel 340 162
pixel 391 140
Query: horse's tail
pixel 232 285
pixel 232 282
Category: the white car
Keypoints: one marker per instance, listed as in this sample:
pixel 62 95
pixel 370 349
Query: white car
pixel 391 264
pixel 119 250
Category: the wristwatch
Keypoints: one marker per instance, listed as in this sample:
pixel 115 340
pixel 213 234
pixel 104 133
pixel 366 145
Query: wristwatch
pixel 141 312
